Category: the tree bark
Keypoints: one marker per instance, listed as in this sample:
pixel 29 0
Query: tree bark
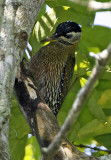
pixel 17 19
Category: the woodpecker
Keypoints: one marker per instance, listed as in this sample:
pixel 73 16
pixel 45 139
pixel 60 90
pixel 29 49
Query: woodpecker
pixel 53 64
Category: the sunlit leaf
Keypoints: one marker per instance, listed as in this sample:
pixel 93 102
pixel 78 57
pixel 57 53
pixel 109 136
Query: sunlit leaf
pixel 94 128
pixel 32 149
pixel 19 130
pixel 96 109
pixel 105 99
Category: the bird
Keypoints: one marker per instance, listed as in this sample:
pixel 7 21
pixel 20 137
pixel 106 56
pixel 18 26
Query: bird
pixel 53 65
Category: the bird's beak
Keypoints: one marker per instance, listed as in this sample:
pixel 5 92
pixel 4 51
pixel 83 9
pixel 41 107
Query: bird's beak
pixel 52 38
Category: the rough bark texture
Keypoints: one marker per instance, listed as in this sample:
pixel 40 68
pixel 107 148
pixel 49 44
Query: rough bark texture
pixel 17 19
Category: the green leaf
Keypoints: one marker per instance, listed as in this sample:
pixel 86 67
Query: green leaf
pixel 95 37
pixel 18 121
pixel 95 109
pixel 104 140
pixel 95 128
pixel 42 28
pixel 99 153
pixel 32 149
pixel 105 99
pixel 19 130
pixel 84 118
pixel 17 145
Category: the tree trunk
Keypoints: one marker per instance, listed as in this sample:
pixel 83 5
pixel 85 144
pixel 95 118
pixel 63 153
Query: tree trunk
pixel 16 22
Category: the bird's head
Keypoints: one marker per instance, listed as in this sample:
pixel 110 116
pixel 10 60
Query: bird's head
pixel 67 33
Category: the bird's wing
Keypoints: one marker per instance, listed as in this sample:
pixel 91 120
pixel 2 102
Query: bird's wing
pixel 65 79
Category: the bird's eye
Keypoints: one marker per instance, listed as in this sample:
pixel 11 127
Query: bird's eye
pixel 68 36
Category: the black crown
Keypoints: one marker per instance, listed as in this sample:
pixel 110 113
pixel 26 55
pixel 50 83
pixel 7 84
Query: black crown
pixel 66 27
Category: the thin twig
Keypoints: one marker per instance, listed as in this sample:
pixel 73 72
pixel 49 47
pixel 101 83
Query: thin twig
pixel 79 101
pixel 73 83
pixel 93 148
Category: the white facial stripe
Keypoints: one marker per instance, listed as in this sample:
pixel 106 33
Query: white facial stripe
pixel 75 36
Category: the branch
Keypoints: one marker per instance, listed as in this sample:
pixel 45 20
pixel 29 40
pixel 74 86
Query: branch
pixel 42 121
pixel 101 61
pixel 94 148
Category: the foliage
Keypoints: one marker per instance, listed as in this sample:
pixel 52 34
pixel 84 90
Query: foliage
pixel 94 122
pixel 19 130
